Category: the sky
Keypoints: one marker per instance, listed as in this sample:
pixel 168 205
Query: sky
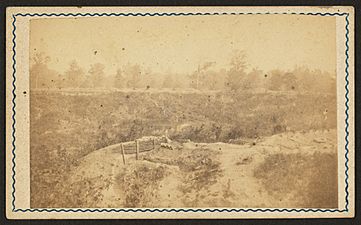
pixel 179 44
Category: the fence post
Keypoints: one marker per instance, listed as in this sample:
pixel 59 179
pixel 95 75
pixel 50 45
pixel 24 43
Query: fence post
pixel 123 153
pixel 137 148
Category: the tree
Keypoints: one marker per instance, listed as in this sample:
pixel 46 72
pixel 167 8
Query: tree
pixel 238 61
pixel 133 75
pixel 74 76
pixel 178 82
pixel 237 71
pixel 254 80
pixel 281 81
pixel 275 80
pixel 198 78
pixel 119 80
pixel 97 75
pixel 289 82
pixel 315 80
pixel 215 79
pixel 148 79
pixel 40 74
pixel 168 81
pixel 332 86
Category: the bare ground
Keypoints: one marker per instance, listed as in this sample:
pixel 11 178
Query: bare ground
pixel 284 170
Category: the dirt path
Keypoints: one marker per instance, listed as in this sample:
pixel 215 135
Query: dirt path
pixel 239 185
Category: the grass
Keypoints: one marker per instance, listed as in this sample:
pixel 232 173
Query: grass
pixel 310 179
pixel 140 185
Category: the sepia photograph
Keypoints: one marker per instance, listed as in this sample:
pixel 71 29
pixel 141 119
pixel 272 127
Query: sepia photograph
pixel 193 112
pixel 201 111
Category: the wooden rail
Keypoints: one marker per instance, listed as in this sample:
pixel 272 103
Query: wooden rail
pixel 139 145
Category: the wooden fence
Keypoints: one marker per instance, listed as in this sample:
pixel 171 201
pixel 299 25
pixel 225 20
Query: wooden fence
pixel 139 145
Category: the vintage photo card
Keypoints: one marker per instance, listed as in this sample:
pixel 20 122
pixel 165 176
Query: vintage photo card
pixel 180 112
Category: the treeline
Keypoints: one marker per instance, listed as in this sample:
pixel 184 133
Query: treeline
pixel 204 77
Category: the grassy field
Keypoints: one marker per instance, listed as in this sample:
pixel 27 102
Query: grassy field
pixel 65 128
